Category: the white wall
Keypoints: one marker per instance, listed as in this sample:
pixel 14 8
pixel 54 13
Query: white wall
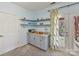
pixel 45 14
pixel 13 34
pixel 15 9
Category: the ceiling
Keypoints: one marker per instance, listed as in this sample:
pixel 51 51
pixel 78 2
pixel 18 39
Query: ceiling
pixel 33 6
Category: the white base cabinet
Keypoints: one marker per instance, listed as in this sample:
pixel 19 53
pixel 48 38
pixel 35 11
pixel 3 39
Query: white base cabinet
pixel 40 41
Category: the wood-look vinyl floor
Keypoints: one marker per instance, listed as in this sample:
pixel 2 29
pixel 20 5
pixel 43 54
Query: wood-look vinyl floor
pixel 30 50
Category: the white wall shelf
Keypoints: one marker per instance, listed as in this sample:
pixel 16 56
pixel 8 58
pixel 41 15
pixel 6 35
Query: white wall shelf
pixel 41 20
pixel 24 25
pixel 35 23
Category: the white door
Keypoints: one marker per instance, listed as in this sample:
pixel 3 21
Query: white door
pixel 9 32
pixel 3 26
pixel 66 23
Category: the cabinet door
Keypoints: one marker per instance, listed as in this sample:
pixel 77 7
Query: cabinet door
pixel 44 42
pixel 32 41
pixel 29 37
pixel 37 41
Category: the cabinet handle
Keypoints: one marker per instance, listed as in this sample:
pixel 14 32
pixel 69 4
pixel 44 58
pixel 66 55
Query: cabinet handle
pixel 34 38
pixel 40 40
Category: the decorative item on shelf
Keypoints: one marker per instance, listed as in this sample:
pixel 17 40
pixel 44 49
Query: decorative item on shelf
pixel 47 18
pixel 37 18
pixel 24 19
pixel 31 30
pixel 32 23
pixel 23 24
pixel 41 18
pixel 41 23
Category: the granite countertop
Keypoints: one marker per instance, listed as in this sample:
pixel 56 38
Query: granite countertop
pixel 40 33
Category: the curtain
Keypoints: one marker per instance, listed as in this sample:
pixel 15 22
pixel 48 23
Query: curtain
pixel 76 31
pixel 54 29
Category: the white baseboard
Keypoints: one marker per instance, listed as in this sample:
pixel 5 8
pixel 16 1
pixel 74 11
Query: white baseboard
pixel 11 48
